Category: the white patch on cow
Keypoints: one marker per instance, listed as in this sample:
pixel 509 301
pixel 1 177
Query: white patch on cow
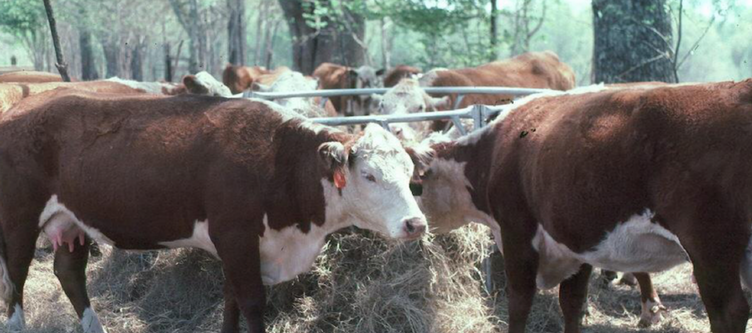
pixel 287 252
pixel 289 114
pixel 427 79
pixel 6 286
pixel 90 322
pixel 149 87
pixel 214 87
pixel 56 214
pixel 637 245
pixel 199 239
pixel 294 82
pixel 652 312
pixel 17 322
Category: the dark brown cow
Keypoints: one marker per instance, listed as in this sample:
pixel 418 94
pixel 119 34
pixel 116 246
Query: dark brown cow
pixel 253 184
pixel 333 76
pixel 398 73
pixel 634 179
pixel 30 77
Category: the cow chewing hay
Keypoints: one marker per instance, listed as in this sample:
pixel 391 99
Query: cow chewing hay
pixel 360 283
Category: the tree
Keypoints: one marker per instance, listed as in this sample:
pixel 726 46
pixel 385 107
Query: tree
pixel 236 31
pixel 522 31
pixel 324 31
pixel 632 41
pixel 187 13
pixel 88 65
pixel 25 20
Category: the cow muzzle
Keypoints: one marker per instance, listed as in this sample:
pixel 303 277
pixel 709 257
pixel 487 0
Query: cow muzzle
pixel 414 227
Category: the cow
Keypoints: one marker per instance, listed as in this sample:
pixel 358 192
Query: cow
pixel 241 78
pixel 200 84
pixel 333 76
pixel 255 185
pixel 290 81
pixel 29 77
pixel 631 179
pixel 528 70
pixel 398 73
pixel 405 98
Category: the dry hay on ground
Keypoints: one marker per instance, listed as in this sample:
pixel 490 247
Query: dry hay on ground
pixel 361 283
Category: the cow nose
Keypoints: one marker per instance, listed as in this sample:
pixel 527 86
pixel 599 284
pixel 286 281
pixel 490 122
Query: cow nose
pixel 415 227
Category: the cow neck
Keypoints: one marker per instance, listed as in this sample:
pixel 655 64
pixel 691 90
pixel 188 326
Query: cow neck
pixel 473 152
pixel 300 187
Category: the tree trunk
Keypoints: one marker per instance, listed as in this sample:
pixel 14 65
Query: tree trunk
pixel 494 30
pixel 137 59
pixel 632 41
pixel 336 42
pixel 236 31
pixel 62 67
pixel 88 66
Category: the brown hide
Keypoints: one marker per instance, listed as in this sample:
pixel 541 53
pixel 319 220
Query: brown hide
pixel 241 78
pixel 398 73
pixel 578 165
pixel 30 77
pixel 12 93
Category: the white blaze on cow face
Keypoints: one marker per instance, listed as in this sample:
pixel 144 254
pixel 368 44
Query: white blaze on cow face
pixel 377 192
pixel 405 97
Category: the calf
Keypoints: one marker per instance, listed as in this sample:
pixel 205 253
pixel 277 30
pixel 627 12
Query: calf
pixel 306 106
pixel 253 184
pixel 631 180
pixel 333 76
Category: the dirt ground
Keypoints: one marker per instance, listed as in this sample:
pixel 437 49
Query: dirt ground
pixel 361 283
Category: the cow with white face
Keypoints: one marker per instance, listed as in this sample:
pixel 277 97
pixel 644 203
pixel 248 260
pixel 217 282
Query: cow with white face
pixel 405 98
pixel 291 81
pixel 256 185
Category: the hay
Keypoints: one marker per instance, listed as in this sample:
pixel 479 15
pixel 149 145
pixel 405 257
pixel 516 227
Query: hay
pixel 360 283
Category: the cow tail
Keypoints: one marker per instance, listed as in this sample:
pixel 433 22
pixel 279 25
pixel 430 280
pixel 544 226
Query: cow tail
pixel 6 286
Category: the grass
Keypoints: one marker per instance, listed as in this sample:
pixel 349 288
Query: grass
pixel 360 283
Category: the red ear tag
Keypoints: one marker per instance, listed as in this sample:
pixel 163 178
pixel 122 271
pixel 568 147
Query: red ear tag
pixel 339 179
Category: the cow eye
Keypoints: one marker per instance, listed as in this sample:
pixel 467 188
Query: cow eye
pixel 369 177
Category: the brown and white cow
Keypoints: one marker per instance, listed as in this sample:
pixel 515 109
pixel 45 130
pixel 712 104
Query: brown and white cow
pixel 241 78
pixel 528 70
pixel 290 81
pixel 333 76
pixel 398 73
pixel 637 179
pixel 200 84
pixel 253 184
pixel 30 77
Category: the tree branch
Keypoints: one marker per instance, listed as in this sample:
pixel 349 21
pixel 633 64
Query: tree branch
pixel 62 67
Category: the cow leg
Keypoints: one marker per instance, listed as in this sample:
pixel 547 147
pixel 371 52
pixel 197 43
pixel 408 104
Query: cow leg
pixel 652 308
pixel 521 266
pixel 721 292
pixel 70 269
pixel 231 314
pixel 241 262
pixel 572 298
pixel 19 249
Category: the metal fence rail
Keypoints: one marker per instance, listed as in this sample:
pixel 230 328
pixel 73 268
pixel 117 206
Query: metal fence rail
pixel 460 91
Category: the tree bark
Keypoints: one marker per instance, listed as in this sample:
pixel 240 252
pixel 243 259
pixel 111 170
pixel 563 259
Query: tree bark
pixel 62 67
pixel 137 59
pixel 632 41
pixel 336 41
pixel 494 30
pixel 191 22
pixel 236 32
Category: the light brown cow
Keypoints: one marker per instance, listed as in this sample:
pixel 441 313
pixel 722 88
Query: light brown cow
pixel 333 76
pixel 634 179
pixel 200 84
pixel 255 185
pixel 398 73
pixel 30 77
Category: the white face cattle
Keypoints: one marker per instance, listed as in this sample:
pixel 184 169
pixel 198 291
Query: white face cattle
pixel 204 83
pixel 378 186
pixel 408 97
pixel 292 82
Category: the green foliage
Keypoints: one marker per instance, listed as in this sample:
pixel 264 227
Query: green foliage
pixel 19 17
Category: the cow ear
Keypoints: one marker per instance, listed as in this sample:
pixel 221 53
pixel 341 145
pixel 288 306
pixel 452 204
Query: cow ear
pixel 422 156
pixel 439 102
pixel 333 157
pixel 193 86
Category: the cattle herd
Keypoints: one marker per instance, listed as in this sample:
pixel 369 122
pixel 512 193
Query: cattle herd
pixel 633 177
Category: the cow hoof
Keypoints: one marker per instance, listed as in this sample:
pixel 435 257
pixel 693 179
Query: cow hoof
pixel 628 279
pixel 652 313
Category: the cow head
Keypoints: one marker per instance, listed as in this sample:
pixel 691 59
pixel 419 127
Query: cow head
pixel 293 82
pixel 372 176
pixel 408 97
pixel 205 84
